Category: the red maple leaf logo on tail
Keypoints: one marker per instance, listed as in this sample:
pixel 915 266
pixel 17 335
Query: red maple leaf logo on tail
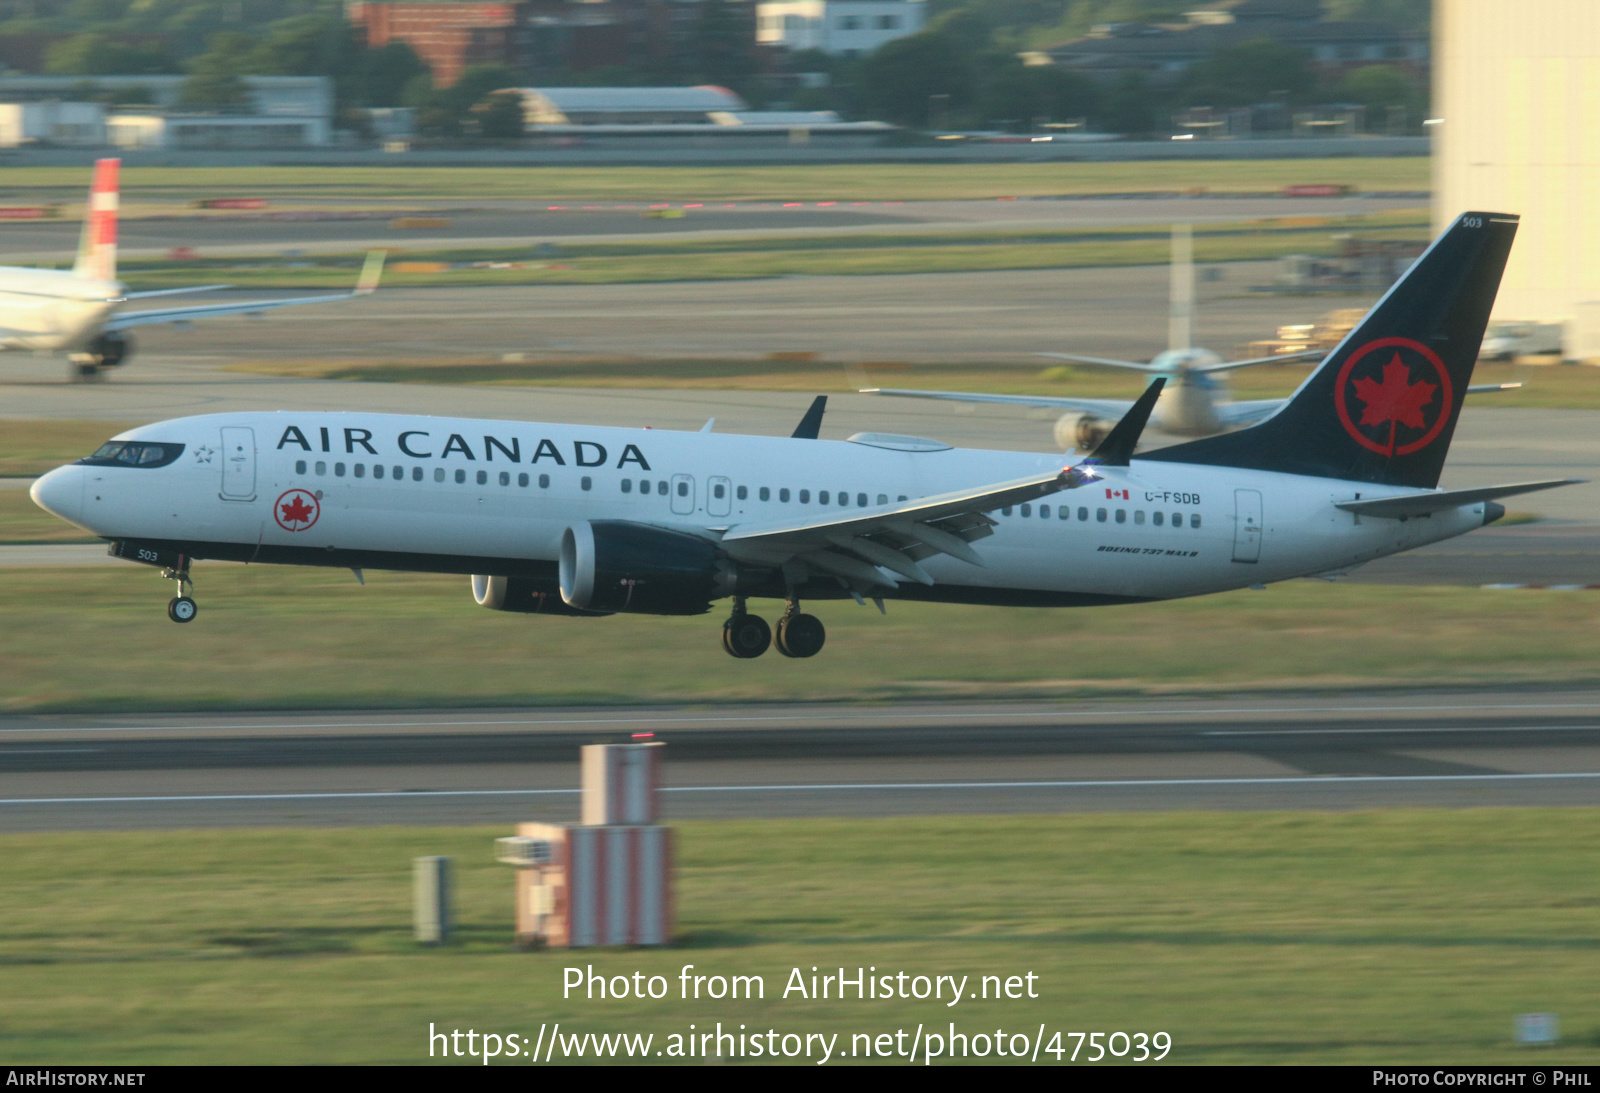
pixel 1396 400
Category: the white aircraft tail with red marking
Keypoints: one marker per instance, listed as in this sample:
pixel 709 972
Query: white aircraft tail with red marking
pixel 97 247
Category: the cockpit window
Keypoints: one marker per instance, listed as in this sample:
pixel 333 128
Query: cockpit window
pixel 133 453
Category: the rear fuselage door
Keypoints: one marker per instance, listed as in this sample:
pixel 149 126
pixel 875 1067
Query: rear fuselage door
pixel 1247 525
pixel 683 494
pixel 238 463
pixel 719 496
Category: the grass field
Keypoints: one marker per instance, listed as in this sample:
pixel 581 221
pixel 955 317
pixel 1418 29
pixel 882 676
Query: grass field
pixel 744 258
pixel 31 446
pixel 846 182
pixel 273 637
pixel 1378 937
pixel 21 521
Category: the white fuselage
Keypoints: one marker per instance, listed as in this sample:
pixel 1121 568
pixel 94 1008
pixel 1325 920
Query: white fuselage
pixel 1188 404
pixel 499 494
pixel 53 309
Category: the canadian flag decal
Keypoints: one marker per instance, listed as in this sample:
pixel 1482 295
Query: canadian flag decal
pixel 1115 494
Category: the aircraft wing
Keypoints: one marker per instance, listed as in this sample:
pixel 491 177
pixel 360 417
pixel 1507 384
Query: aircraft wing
pixel 854 544
pixel 1420 504
pixel 1106 407
pixel 189 290
pixel 365 286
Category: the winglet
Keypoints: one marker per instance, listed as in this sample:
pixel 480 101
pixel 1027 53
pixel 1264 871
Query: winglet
pixel 1117 448
pixel 97 246
pixel 811 425
pixel 371 273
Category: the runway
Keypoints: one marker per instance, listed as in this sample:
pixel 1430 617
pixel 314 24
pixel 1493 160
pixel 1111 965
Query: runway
pixel 1276 752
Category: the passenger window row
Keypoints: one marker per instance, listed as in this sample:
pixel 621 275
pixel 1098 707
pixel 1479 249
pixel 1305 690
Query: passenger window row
pixel 645 486
pixel 1064 512
pixel 719 491
pixel 398 474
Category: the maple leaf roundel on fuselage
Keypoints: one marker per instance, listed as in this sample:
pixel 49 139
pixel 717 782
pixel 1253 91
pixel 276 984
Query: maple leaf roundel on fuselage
pixel 1403 393
pixel 296 510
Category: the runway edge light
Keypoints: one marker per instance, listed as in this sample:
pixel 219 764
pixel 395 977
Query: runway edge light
pixel 607 880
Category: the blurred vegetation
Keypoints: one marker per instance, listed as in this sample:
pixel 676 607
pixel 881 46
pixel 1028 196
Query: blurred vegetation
pixel 1388 937
pixel 276 637
pixel 962 72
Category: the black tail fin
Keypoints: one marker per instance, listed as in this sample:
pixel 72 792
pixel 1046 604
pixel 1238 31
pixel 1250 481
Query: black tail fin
pixel 1383 405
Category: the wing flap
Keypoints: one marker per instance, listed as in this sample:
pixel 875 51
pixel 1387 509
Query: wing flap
pixel 858 548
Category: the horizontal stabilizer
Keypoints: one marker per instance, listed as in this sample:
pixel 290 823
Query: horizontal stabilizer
pixel 1420 504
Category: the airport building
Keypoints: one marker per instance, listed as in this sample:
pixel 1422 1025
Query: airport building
pixel 1516 88
pixel 841 28
pixel 64 124
pixel 285 112
pixel 548 39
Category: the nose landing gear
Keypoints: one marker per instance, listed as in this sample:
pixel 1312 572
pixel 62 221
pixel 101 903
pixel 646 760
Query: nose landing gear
pixel 181 608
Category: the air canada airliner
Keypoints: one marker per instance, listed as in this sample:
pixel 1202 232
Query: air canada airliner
pixel 586 521
pixel 79 311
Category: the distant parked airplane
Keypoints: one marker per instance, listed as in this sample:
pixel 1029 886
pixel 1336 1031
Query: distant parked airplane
pixel 1194 400
pixel 79 311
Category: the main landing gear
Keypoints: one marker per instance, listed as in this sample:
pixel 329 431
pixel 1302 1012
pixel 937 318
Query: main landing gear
pixel 181 608
pixel 746 636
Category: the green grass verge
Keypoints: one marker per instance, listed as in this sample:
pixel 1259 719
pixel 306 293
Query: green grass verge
pixel 290 637
pixel 1569 388
pixel 21 521
pixel 1391 937
pixel 781 256
pixel 31 446
pixel 842 182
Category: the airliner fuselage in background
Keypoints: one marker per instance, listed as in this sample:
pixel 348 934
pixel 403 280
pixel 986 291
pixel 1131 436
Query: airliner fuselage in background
pixel 566 519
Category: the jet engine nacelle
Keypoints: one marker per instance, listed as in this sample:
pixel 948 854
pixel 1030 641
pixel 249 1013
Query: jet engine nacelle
pixel 1081 431
pixel 109 349
pixel 523 595
pixel 615 565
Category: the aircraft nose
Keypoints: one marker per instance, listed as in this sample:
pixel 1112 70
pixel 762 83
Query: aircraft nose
pixel 60 492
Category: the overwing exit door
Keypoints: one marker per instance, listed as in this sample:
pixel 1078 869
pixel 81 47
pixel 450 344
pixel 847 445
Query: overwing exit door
pixel 719 496
pixel 238 463
pixel 683 494
pixel 1247 526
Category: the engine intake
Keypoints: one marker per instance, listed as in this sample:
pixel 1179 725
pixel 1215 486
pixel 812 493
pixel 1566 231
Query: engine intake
pixel 1081 431
pixel 615 565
